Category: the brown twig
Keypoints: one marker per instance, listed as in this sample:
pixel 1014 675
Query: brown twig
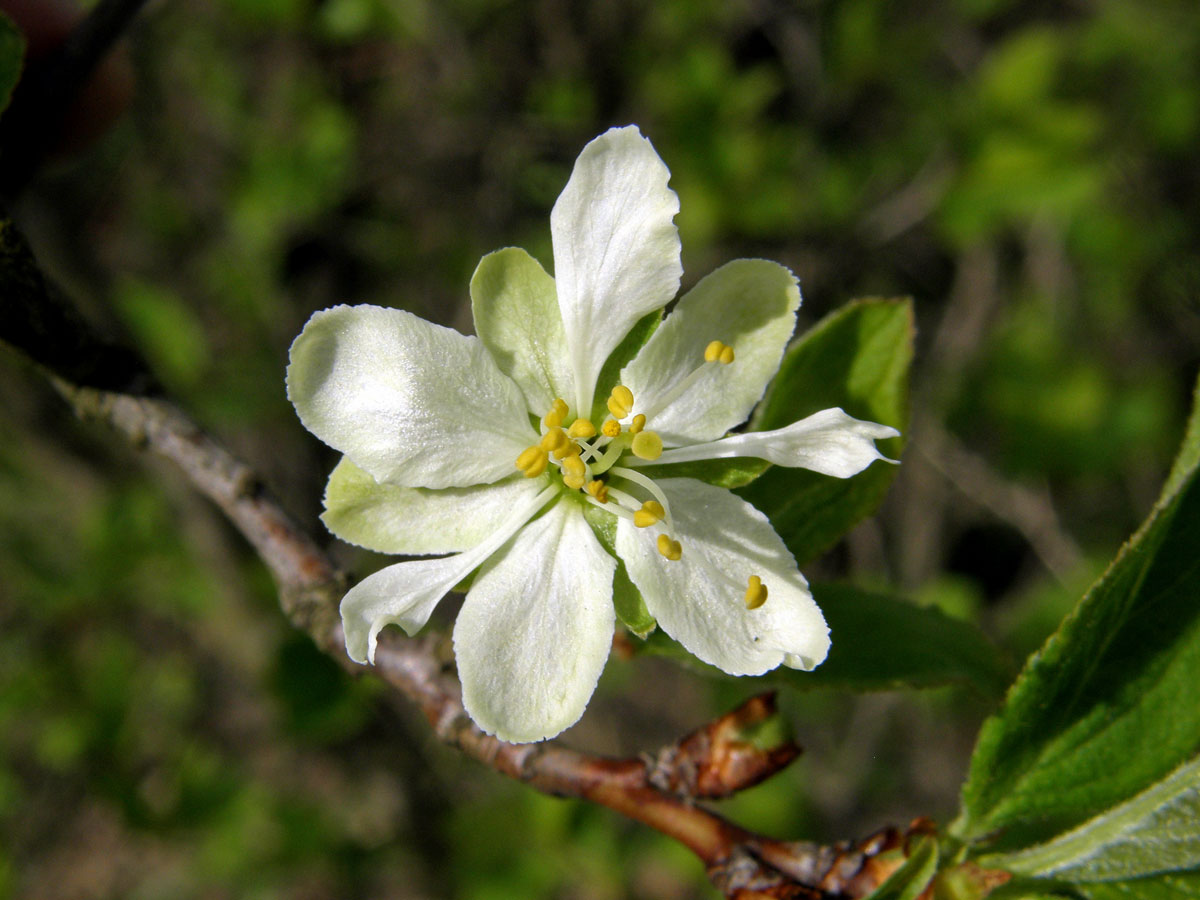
pixel 659 790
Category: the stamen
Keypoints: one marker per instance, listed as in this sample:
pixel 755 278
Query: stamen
pixel 650 513
pixel 611 428
pixel 637 424
pixel 718 352
pixel 573 465
pixel 626 503
pixel 570 448
pixel 557 414
pixel 554 439
pixel 640 479
pixel 611 454
pixel 581 428
pixel 574 471
pixel 597 489
pixel 620 403
pixel 647 445
pixel 672 550
pixel 756 593
pixel 532 461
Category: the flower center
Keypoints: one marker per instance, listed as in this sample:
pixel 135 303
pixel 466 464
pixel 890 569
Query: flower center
pixel 588 459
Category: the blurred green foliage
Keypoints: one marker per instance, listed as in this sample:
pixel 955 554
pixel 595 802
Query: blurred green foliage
pixel 1025 171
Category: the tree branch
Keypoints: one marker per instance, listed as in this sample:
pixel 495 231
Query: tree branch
pixel 659 790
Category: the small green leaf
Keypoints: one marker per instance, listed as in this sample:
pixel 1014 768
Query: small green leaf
pixel 856 358
pixel 1156 831
pixel 880 643
pixel 907 882
pixel 641 332
pixel 628 602
pixel 627 599
pixel 726 473
pixel 12 58
pixel 1107 707
pixel 1185 886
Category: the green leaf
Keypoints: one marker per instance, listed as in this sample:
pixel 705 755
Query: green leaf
pixel 726 473
pixel 880 643
pixel 1185 886
pixel 1157 831
pixel 907 882
pixel 641 332
pixel 12 58
pixel 627 599
pixel 858 359
pixel 1107 707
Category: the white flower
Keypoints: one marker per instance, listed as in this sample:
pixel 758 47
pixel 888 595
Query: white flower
pixel 497 452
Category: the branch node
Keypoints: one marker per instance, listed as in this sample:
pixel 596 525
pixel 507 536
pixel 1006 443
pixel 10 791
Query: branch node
pixel 725 756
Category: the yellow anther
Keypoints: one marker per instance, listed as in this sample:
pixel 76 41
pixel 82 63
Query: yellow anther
pixel 756 593
pixel 638 423
pixel 611 428
pixel 554 439
pixel 570 448
pixel 620 403
pixel 582 428
pixel 669 548
pixel 597 489
pixel 718 352
pixel 558 412
pixel 574 482
pixel 647 445
pixel 532 461
pixel 574 466
pixel 651 512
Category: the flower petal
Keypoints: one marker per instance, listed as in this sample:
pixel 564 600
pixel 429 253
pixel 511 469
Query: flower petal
pixel 388 518
pixel 749 304
pixel 516 315
pixel 829 442
pixel 616 249
pixel 699 598
pixel 536 628
pixel 409 401
pixel 406 593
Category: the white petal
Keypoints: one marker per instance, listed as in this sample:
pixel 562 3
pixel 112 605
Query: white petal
pixel 535 631
pixel 388 518
pixel 616 249
pixel 829 442
pixel 516 315
pixel 406 593
pixel 749 304
pixel 409 401
pixel 699 599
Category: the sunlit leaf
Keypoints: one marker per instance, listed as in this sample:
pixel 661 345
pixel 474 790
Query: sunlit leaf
pixel 858 359
pixel 880 643
pixel 1156 831
pixel 907 882
pixel 1107 707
